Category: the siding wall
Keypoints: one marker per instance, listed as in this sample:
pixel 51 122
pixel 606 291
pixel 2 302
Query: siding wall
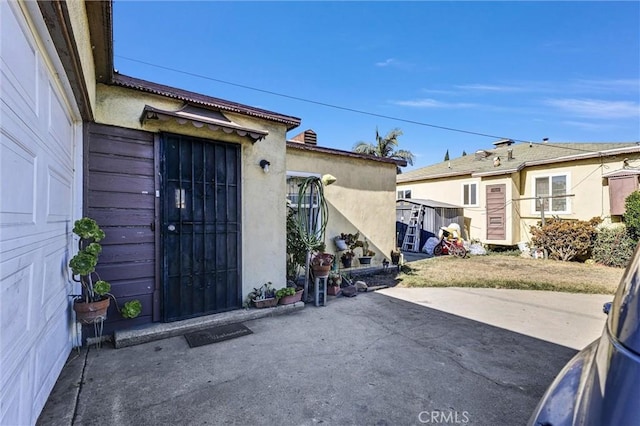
pixel 120 196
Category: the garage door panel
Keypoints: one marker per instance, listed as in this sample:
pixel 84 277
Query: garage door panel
pixel 19 58
pixel 13 409
pixel 59 196
pixel 47 367
pixel 16 293
pixel 60 129
pixel 19 168
pixel 54 293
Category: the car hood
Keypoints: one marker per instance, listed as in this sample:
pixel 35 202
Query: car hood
pixel 624 316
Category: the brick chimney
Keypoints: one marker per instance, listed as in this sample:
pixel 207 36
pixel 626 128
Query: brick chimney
pixel 308 137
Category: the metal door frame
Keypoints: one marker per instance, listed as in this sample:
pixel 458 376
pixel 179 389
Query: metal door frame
pixel 161 263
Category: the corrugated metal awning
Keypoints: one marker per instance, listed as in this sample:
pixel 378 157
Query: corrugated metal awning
pixel 621 173
pixel 200 117
pixel 429 203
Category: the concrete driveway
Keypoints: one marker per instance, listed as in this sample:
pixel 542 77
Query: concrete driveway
pixel 369 360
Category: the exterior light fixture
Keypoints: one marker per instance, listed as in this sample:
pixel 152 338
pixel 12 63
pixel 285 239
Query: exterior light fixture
pixel 328 179
pixel 265 165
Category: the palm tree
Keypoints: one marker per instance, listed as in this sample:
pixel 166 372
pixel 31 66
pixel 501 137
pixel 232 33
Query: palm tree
pixel 386 147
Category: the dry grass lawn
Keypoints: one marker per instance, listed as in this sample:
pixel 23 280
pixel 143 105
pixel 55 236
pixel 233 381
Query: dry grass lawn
pixel 500 271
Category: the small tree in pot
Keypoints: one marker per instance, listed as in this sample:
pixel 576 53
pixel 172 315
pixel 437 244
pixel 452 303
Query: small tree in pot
pixel 92 305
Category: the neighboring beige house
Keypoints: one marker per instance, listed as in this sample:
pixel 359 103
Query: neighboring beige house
pixel 361 200
pixel 506 189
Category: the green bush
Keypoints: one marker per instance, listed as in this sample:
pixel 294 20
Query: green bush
pixel 613 247
pixel 632 214
pixel 566 239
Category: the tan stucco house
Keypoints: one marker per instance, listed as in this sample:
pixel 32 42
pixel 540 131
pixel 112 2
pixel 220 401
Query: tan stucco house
pixel 175 178
pixel 362 199
pixel 506 189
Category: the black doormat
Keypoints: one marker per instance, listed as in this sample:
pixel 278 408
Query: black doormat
pixel 216 334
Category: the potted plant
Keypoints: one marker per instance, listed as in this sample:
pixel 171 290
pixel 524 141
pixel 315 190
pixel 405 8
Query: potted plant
pixel 288 295
pixel 321 264
pixel 347 258
pixel 263 297
pixel 333 283
pixel 367 254
pixel 395 256
pixel 92 305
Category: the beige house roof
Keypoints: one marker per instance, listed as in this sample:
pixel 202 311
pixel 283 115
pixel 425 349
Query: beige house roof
pixel 507 158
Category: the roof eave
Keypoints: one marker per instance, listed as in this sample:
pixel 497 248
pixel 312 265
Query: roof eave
pixel 204 100
pixel 307 147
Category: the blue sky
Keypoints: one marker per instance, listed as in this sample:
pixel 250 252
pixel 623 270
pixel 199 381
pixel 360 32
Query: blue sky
pixel 567 71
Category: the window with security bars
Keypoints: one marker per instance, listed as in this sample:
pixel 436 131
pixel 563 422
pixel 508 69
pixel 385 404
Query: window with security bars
pixel 293 187
pixel 304 204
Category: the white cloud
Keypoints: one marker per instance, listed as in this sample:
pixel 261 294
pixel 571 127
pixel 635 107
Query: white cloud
pixel 613 85
pixel 490 88
pixel 432 103
pixel 595 108
pixel 588 125
pixel 386 63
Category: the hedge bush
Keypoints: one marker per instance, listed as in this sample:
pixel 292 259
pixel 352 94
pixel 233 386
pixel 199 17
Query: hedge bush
pixel 566 239
pixel 613 247
pixel 632 214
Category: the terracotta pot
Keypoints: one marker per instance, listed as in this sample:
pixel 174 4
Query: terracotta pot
pixel 92 312
pixel 321 271
pixel 265 303
pixel 333 290
pixel 287 300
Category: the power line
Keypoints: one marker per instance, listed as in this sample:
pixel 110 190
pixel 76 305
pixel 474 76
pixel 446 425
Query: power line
pixel 270 92
pixel 357 111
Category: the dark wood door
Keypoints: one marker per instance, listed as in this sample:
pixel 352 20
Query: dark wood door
pixel 200 227
pixel 496 212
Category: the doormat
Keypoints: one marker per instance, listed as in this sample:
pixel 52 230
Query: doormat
pixel 216 334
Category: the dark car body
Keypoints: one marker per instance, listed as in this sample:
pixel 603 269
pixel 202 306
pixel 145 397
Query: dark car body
pixel 601 384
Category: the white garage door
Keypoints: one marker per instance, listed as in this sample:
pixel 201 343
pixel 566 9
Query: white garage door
pixel 36 204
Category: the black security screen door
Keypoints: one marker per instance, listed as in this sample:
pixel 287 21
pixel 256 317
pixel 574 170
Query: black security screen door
pixel 200 227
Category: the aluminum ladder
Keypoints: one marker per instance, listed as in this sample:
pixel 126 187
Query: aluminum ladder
pixel 412 236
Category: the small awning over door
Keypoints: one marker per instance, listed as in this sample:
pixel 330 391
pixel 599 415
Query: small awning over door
pixel 200 117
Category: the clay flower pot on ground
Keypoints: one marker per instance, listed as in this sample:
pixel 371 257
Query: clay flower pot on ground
pixel 333 283
pixel 288 295
pixel 263 297
pixel 333 290
pixel 265 303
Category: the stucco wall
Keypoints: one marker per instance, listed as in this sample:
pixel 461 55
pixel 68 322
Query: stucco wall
pixel 263 195
pixel 585 181
pixel 362 198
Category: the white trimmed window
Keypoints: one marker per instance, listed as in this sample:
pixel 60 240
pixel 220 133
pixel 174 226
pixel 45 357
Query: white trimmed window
pixel 294 179
pixel 470 194
pixel 403 193
pixel 547 190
